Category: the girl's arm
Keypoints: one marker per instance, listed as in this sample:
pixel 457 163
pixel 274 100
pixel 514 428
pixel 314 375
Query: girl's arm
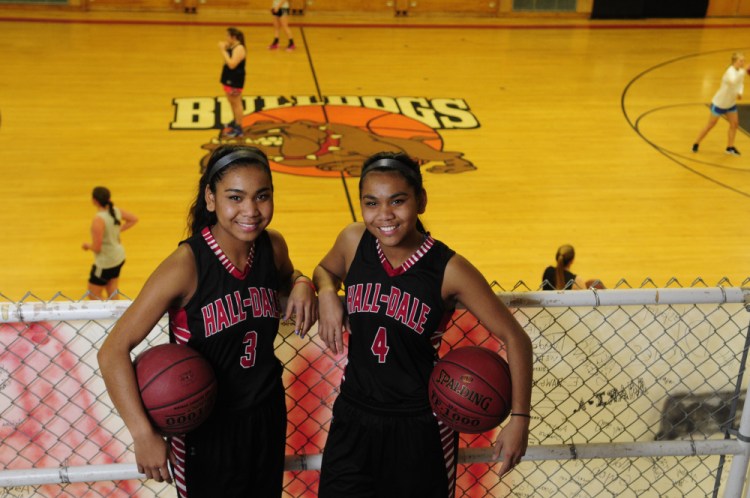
pixel 331 323
pixel 238 54
pixel 579 283
pixel 97 236
pixel 302 303
pixel 170 284
pixel 464 283
pixel 328 277
pixel 127 220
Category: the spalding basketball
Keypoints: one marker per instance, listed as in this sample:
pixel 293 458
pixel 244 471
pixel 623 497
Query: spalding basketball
pixel 178 387
pixel 470 389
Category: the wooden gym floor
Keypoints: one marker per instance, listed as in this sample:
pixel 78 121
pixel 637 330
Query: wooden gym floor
pixel 582 135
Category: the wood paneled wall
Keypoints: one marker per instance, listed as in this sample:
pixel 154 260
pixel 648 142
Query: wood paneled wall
pixel 728 8
pixel 136 5
pixel 486 8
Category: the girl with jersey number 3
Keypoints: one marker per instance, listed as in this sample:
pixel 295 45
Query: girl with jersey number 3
pixel 221 288
pixel 401 288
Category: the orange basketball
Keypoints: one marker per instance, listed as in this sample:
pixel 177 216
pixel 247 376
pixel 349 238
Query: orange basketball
pixel 177 385
pixel 470 389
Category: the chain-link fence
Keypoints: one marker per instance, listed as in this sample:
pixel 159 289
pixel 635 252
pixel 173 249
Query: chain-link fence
pixel 605 371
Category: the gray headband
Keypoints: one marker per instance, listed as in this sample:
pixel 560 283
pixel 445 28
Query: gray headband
pixel 389 163
pixel 247 154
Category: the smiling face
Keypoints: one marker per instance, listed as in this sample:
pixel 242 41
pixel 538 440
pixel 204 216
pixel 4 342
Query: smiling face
pixel 390 208
pixel 243 203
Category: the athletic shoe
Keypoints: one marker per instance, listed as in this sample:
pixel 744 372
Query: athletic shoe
pixel 290 48
pixel 273 46
pixel 733 152
pixel 235 132
pixel 695 147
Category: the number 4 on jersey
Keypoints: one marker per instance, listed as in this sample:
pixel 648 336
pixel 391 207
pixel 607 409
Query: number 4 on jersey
pixel 380 345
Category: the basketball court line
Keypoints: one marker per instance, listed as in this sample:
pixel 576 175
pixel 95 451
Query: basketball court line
pixel 319 94
pixel 743 111
pixel 673 156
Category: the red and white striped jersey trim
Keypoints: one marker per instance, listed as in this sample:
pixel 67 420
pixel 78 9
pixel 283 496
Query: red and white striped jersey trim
pixel 448 440
pixel 178 324
pixel 209 238
pixel 448 437
pixel 177 444
pixel 411 261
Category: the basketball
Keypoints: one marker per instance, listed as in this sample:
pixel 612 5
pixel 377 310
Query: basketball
pixel 470 389
pixel 178 387
pixel 594 284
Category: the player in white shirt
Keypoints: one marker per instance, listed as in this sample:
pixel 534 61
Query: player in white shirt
pixel 724 103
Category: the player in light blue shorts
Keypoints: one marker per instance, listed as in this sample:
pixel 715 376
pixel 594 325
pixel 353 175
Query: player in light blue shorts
pixel 724 103
pixel 718 111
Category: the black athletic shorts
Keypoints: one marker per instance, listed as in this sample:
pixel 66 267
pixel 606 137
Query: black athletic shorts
pixel 280 12
pixel 235 454
pixel 100 276
pixel 377 455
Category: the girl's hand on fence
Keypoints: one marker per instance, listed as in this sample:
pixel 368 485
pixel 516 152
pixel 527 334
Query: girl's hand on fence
pixel 302 306
pixel 331 321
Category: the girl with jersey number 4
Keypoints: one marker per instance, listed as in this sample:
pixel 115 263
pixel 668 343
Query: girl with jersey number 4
pixel 221 288
pixel 384 440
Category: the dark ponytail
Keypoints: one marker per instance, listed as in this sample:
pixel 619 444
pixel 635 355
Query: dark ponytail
pixel 402 164
pixel 564 256
pixel 103 197
pixel 222 160
pixel 237 34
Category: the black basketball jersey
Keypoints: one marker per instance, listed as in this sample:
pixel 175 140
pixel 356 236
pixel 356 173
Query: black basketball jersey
pixel 233 77
pixel 233 319
pixel 397 318
pixel 549 278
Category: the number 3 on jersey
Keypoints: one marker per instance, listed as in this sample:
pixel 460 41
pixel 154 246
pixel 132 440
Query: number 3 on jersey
pixel 251 342
pixel 380 345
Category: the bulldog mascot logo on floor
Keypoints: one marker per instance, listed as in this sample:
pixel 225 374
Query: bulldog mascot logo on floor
pixel 304 137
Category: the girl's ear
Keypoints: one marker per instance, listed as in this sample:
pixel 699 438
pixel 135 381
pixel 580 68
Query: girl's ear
pixel 422 202
pixel 210 200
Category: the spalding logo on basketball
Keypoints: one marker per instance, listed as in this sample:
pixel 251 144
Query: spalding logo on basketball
pixel 178 387
pixel 470 389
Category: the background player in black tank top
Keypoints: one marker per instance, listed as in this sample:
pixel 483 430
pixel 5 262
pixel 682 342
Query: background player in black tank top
pixel 239 450
pixel 384 440
pixel 559 277
pixel 233 77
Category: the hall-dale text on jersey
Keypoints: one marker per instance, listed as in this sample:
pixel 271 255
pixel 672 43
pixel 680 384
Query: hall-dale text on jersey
pixel 233 309
pixel 400 305
pixel 205 113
